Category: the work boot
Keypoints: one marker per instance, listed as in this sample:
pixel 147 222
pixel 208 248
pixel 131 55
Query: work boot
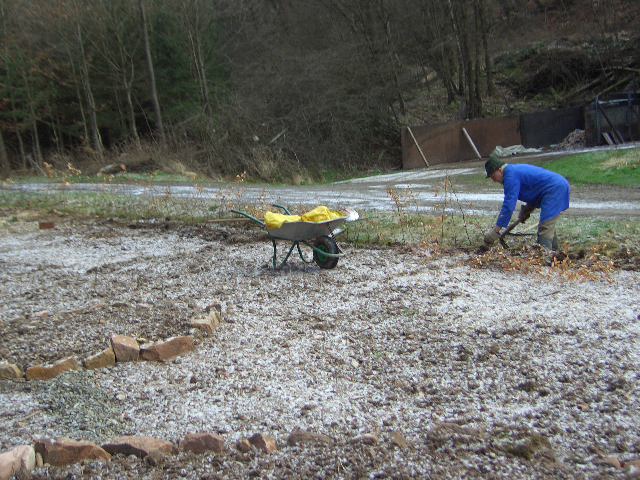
pixel 547 243
pixel 550 256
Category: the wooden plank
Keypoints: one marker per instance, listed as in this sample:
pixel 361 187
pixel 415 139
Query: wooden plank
pixel 607 138
pixel 473 145
pixel 418 145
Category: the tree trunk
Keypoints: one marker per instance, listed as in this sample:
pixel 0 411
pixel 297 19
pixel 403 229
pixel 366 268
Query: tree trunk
pixel 477 111
pixel 198 63
pixel 152 76
pixel 448 73
pixel 35 145
pixel 127 78
pixel 23 154
pixel 60 134
pixel 132 116
pixel 393 63
pixel 5 167
pixel 462 73
pixel 203 76
pixel 4 157
pixel 192 25
pixel 91 102
pixel 56 131
pixel 76 82
pixel 35 135
pixel 16 123
pixel 485 47
pixel 123 119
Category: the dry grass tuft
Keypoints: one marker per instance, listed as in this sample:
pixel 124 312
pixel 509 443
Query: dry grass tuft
pixel 592 266
pixel 631 159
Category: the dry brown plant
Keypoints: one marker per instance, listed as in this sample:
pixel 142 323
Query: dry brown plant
pixel 532 260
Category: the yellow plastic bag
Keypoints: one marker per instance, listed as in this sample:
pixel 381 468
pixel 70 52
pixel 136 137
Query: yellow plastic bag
pixel 321 214
pixel 273 221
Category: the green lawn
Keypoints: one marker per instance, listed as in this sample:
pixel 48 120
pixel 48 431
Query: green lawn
pixel 156 178
pixel 621 167
pixel 163 178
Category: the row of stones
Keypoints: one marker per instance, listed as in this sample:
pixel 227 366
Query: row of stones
pixel 20 461
pixel 122 349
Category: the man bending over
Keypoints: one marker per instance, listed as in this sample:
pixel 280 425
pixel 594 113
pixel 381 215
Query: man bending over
pixel 538 188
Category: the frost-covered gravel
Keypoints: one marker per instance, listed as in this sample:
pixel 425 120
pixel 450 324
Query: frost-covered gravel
pixel 485 373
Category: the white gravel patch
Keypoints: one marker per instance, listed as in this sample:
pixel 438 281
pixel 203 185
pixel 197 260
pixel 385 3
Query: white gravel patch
pixel 388 341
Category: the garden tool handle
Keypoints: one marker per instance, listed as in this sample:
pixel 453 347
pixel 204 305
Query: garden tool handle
pixel 509 228
pixel 506 232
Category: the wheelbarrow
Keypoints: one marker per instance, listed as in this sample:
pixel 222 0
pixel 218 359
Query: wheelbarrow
pixel 320 237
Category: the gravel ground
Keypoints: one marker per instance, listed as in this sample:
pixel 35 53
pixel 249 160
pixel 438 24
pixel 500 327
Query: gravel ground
pixel 484 372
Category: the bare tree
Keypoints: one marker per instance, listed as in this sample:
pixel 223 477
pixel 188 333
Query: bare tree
pixel 197 21
pixel 152 75
pixel 117 42
pixel 484 32
pixel 90 99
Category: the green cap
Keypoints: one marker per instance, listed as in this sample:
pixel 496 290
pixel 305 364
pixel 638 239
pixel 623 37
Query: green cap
pixel 493 164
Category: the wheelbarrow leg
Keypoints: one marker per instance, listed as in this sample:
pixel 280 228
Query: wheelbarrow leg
pixel 275 254
pixel 288 254
pixel 301 254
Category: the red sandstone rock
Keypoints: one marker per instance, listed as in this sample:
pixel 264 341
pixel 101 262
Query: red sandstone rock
pixel 262 442
pixel 139 446
pixel 103 359
pixel 18 462
pixel 125 348
pixel 64 451
pixel 202 442
pixel 168 349
pixel 47 372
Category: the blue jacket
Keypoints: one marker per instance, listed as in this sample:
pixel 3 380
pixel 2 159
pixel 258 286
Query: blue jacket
pixel 538 187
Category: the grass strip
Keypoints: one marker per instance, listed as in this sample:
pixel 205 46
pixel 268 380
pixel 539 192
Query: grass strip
pixel 374 228
pixel 619 167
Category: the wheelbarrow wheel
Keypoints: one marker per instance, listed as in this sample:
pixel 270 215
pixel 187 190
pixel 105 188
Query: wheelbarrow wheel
pixel 329 245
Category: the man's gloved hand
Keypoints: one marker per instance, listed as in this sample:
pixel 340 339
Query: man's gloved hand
pixel 491 236
pixel 525 213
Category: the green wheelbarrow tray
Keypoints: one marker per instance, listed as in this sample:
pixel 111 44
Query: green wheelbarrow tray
pixel 319 236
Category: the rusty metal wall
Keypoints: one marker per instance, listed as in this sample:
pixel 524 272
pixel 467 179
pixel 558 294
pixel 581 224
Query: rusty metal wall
pixel 549 127
pixel 623 110
pixel 446 143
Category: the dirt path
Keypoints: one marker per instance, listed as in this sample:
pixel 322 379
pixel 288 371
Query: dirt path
pixel 484 372
pixel 418 191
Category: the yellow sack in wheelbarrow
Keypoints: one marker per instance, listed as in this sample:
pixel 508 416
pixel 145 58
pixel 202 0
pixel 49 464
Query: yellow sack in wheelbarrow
pixel 321 214
pixel 273 221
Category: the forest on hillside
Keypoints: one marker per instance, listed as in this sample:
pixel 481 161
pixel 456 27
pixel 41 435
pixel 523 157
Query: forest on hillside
pixel 283 89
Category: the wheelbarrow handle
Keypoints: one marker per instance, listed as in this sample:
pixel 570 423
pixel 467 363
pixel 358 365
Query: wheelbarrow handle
pixel 250 217
pixel 281 207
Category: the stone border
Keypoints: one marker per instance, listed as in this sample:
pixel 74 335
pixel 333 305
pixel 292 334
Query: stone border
pixel 122 348
pixel 22 460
